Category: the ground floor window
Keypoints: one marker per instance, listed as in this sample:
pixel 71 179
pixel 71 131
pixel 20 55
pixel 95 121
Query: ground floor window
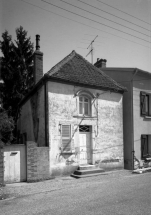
pixel 145 145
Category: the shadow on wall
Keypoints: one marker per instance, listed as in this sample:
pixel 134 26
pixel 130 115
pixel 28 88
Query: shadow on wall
pixel 65 163
pixel 110 96
pixel 63 169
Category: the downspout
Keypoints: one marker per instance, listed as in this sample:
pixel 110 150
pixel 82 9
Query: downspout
pixel 132 118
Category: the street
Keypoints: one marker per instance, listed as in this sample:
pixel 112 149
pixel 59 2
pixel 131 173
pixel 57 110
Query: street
pixel 127 194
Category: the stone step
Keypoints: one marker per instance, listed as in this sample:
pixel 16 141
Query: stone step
pixel 85 167
pixel 88 175
pixel 87 171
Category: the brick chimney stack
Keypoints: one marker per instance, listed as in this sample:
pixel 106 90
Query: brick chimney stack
pixel 38 61
pixel 101 63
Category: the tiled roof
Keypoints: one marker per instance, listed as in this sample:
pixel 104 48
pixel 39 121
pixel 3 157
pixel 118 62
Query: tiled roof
pixel 74 68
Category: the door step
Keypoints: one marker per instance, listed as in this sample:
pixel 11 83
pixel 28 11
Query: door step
pixel 87 171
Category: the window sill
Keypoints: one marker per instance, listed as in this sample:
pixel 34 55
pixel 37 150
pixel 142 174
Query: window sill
pixel 147 117
pixel 85 117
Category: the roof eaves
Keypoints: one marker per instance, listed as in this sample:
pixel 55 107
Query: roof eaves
pixel 112 89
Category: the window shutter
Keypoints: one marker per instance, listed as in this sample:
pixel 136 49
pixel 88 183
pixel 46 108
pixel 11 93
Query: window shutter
pixel 143 103
pixel 144 145
pixel 66 138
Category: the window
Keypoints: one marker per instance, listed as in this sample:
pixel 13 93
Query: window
pixel 66 138
pixel 144 146
pixel 145 103
pixel 84 105
pixel 84 128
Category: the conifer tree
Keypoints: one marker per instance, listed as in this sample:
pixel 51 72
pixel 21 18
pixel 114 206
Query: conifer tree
pixel 6 128
pixel 16 69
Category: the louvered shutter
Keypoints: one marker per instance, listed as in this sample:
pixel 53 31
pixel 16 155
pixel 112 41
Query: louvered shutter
pixel 66 138
pixel 144 145
pixel 143 103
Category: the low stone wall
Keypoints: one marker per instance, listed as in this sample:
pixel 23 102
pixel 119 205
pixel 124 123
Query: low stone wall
pixel 1 167
pixel 37 162
pixel 111 164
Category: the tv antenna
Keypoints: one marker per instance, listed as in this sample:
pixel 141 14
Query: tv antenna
pixel 91 49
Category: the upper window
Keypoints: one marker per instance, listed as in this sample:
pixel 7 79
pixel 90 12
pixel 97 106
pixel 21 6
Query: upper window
pixel 84 105
pixel 145 102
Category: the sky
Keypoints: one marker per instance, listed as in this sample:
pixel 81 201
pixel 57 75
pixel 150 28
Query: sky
pixel 121 29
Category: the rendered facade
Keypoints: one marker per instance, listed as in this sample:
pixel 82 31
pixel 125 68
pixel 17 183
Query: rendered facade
pixel 73 116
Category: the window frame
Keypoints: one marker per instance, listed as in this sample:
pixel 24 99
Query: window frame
pixel 144 140
pixel 145 104
pixel 83 96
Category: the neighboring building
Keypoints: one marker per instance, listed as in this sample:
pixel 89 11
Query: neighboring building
pixel 74 115
pixel 136 109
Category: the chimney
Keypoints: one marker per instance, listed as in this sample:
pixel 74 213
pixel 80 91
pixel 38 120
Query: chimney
pixel 101 63
pixel 38 61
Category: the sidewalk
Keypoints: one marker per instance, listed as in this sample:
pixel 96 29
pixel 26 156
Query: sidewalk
pixel 22 189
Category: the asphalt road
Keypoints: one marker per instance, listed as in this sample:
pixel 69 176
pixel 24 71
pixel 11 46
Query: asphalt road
pixel 126 195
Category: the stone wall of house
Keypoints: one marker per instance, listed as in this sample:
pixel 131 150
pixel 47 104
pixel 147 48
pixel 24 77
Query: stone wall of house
pixel 1 166
pixel 32 118
pixel 37 162
pixel 106 127
pixel 109 140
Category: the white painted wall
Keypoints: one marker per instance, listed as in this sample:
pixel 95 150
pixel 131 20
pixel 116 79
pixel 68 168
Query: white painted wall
pixel 14 163
pixel 107 130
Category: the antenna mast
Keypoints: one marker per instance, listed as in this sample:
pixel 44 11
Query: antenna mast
pixel 91 49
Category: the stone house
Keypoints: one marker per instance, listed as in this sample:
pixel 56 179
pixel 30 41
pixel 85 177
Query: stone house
pixel 136 110
pixel 72 116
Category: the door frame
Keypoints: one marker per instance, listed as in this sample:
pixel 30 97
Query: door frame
pixel 90 148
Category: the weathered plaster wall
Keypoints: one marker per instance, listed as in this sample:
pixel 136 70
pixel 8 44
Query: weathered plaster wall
pixel 25 122
pixel 107 128
pixel 37 162
pixel 141 124
pixel 32 119
pixel 109 141
pixel 125 76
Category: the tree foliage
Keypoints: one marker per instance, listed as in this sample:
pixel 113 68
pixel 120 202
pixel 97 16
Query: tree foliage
pixel 16 69
pixel 6 127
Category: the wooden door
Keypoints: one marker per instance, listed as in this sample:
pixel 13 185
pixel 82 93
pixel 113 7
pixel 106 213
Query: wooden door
pixel 14 163
pixel 85 145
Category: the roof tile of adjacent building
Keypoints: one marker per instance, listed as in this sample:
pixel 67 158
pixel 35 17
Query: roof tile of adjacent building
pixel 74 68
